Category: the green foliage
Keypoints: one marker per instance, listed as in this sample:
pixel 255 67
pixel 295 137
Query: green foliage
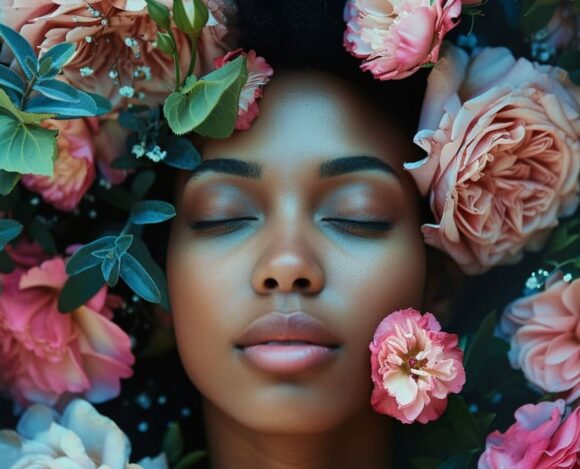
pixel 56 57
pixel 190 16
pixel 80 288
pixel 536 14
pixel 11 80
pixel 181 154
pixel 159 13
pixel 23 52
pixel 208 106
pixel 8 181
pixel 190 460
pixel 151 211
pixel 165 43
pixel 9 229
pixel 563 250
pixel 40 232
pixel 138 279
pixel 172 444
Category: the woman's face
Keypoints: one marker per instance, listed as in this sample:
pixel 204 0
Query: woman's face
pixel 340 246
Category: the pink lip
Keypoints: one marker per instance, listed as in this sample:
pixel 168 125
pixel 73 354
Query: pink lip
pixel 288 359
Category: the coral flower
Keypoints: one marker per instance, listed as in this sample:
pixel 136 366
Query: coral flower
pixel 259 73
pixel 414 367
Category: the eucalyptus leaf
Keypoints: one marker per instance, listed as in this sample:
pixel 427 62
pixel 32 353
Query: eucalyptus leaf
pixel 138 279
pixel 110 270
pixel 8 181
pixel 85 106
pixel 181 154
pixel 59 55
pixel 83 259
pixel 104 106
pixel 57 90
pixel 10 79
pixel 122 244
pixel 80 288
pixel 9 201
pixel 40 232
pixel 151 211
pixel 9 229
pixel 26 148
pixel 172 444
pixel 210 108
pixel 142 182
pixel 44 67
pixel 21 49
pixel 7 107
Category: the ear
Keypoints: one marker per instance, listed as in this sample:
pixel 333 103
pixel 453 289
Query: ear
pixel 444 280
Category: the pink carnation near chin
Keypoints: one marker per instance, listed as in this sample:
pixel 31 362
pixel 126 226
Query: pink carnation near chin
pixel 74 167
pixel 414 367
pixel 82 352
pixel 544 436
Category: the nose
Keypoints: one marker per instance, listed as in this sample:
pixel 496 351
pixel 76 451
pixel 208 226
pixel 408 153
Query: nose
pixel 288 267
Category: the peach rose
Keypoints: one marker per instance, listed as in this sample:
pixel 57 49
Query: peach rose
pixel 503 156
pixel 544 332
pixel 74 167
pixel 414 367
pixel 115 53
pixel 45 353
pixel 259 73
pixel 542 437
pixel 396 38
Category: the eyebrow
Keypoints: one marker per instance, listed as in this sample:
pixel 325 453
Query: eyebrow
pixel 329 168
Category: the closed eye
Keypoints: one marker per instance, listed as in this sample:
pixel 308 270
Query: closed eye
pixel 359 227
pixel 217 225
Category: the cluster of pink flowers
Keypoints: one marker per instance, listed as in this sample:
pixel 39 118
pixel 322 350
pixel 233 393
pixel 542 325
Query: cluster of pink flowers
pixel 414 367
pixel 47 354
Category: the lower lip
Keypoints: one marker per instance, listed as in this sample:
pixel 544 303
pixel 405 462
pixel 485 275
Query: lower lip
pixel 288 359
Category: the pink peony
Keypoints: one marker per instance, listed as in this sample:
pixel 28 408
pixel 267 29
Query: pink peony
pixel 544 331
pixel 503 156
pixel 74 167
pixel 414 367
pixel 46 353
pixel 259 73
pixel 115 53
pixel 396 38
pixel 541 438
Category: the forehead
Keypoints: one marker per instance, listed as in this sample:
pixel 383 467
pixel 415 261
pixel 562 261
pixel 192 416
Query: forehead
pixel 306 117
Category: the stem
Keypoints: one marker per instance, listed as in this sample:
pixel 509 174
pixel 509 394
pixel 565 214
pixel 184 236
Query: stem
pixel 27 92
pixel 126 227
pixel 176 62
pixel 193 56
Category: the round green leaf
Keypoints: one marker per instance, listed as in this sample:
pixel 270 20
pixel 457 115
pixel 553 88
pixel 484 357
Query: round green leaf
pixel 138 279
pixel 151 211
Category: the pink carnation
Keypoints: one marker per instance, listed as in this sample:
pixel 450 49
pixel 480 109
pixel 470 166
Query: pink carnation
pixel 541 438
pixel 74 166
pixel 259 73
pixel 395 39
pixel 45 353
pixel 503 155
pixel 545 337
pixel 414 367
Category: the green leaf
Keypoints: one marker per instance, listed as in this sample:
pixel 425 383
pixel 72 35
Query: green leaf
pixel 191 459
pixel 44 67
pixel 463 422
pixel 172 444
pixel 138 279
pixel 104 106
pixel 12 80
pixel 537 16
pixel 8 107
pixel 26 148
pixel 84 106
pixel 122 244
pixel 484 420
pixel 58 90
pixel 6 264
pixel 151 211
pixel 165 43
pixel 9 229
pixel 181 154
pixel 190 16
pixel 458 461
pixel 83 259
pixel 159 13
pixel 21 50
pixel 210 108
pixel 110 270
pixel 59 55
pixel 79 289
pixel 8 181
pixel 424 463
pixel 40 233
pixel 477 353
pixel 142 183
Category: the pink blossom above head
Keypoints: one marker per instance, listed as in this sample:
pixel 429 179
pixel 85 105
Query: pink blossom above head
pixel 259 73
pixel 503 156
pixel 414 367
pixel 541 438
pixel 74 166
pixel 544 333
pixel 395 39
pixel 51 353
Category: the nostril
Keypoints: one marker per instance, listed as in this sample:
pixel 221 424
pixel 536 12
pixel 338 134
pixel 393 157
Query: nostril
pixel 302 283
pixel 270 283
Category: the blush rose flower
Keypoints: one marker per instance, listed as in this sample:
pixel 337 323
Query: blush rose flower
pixel 503 156
pixel 116 55
pixel 396 38
pixel 542 437
pixel 414 367
pixel 544 333
pixel 259 73
pixel 79 438
pixel 74 166
pixel 47 354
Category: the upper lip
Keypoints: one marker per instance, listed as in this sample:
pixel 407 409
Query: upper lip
pixel 276 326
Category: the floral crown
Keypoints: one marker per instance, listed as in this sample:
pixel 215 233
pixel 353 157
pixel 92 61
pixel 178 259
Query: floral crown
pixel 96 94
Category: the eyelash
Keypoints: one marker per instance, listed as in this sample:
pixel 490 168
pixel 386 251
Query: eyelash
pixel 370 227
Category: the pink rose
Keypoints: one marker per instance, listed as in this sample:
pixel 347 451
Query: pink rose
pixel 74 167
pixel 544 335
pixel 46 353
pixel 395 39
pixel 541 438
pixel 115 53
pixel 503 156
pixel 259 73
pixel 414 367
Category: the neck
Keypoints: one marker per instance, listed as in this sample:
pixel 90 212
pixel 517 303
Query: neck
pixel 361 442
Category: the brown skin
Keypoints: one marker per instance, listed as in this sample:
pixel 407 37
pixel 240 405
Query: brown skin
pixel 350 278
